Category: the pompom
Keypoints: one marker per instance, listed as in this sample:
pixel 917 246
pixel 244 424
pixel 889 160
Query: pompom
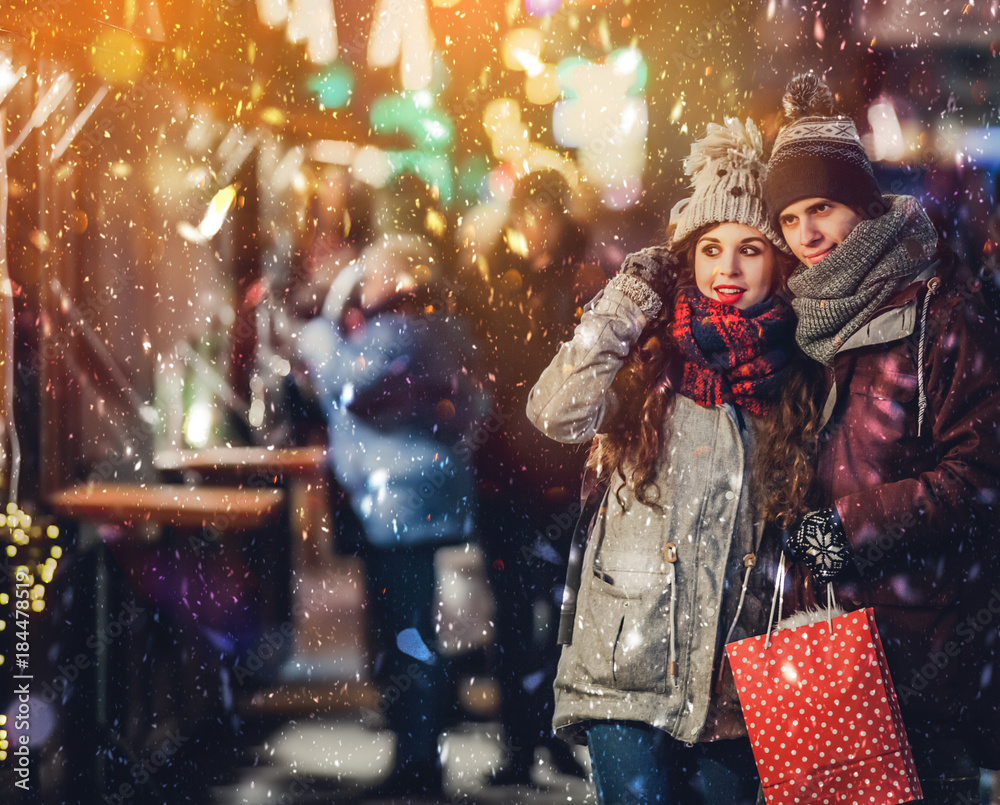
pixel 807 95
pixel 731 145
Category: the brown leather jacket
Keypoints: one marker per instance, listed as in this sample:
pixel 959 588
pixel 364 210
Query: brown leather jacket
pixel 910 458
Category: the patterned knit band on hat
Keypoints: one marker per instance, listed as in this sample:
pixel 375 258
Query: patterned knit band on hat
pixel 726 168
pixel 818 154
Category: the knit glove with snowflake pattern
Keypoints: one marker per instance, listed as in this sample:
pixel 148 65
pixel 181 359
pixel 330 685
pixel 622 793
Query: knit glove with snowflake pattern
pixel 647 277
pixel 820 542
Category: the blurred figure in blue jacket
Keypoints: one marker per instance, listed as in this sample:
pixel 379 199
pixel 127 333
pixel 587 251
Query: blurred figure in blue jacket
pixel 393 367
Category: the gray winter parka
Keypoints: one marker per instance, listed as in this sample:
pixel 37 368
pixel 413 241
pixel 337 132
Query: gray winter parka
pixel 660 589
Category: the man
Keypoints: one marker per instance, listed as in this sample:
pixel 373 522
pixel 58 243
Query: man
pixel 908 465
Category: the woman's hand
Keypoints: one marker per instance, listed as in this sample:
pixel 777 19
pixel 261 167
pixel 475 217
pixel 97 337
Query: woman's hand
pixel 648 277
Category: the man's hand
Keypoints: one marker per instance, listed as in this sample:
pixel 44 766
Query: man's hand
pixel 821 543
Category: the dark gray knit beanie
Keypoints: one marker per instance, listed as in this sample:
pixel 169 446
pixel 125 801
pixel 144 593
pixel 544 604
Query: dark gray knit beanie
pixel 818 154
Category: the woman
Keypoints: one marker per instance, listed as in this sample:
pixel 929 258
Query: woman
pixel 685 366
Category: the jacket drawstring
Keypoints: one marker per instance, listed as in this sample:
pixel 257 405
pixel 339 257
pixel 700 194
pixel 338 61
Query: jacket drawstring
pixel 932 285
pixel 831 602
pixel 749 562
pixel 777 599
pixel 670 556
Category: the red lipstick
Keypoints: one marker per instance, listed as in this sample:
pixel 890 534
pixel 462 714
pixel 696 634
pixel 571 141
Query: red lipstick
pixel 729 294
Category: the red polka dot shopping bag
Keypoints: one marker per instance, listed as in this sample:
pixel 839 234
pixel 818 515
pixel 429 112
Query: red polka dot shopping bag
pixel 822 714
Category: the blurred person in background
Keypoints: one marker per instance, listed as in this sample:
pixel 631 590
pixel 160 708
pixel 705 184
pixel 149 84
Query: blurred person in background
pixel 529 486
pixel 333 223
pixel 394 370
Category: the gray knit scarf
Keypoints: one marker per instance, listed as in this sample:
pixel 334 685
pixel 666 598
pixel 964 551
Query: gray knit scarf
pixel 836 297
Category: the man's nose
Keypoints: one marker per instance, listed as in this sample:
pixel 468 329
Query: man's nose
pixel 808 233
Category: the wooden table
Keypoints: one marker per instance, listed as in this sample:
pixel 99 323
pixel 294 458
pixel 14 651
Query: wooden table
pixel 242 461
pixel 301 471
pixel 222 513
pixel 169 504
pixel 250 521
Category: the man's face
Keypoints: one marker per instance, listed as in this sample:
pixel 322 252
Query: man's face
pixel 814 227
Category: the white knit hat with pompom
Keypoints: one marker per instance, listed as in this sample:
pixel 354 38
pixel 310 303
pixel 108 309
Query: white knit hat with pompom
pixel 726 168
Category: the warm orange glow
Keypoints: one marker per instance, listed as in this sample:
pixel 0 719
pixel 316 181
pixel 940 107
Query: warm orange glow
pixel 117 56
pixel 522 49
pixel 402 32
pixel 543 87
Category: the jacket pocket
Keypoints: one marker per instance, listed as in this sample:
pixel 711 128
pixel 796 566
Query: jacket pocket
pixel 626 615
pixel 885 383
pixel 883 404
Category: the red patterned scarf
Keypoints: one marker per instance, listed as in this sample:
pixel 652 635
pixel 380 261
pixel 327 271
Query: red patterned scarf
pixel 733 356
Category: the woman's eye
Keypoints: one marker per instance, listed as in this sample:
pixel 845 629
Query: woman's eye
pixel 751 251
pixel 710 251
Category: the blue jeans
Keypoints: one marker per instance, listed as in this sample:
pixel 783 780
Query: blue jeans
pixel 635 764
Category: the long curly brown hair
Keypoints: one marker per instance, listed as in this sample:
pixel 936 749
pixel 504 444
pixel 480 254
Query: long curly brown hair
pixel 783 459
